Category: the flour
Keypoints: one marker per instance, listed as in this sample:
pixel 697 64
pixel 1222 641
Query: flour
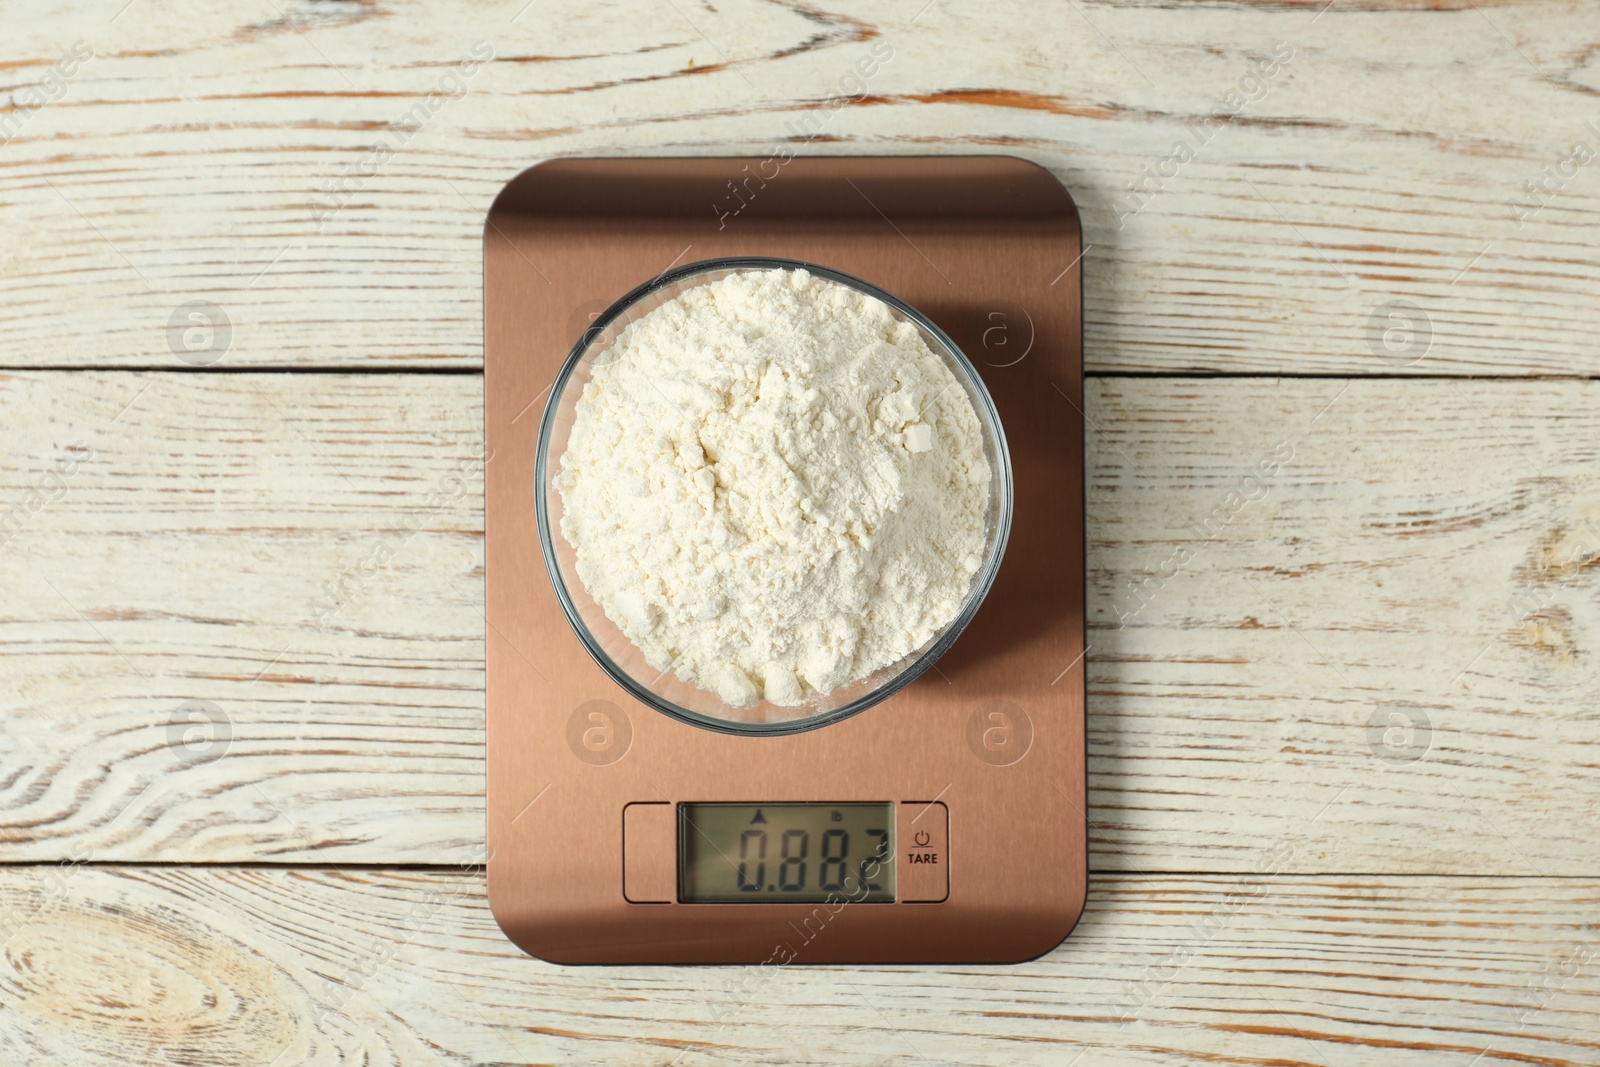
pixel 774 487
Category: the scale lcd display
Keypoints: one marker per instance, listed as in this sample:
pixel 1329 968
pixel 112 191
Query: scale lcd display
pixel 785 853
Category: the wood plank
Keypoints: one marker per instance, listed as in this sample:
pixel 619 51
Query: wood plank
pixel 278 166
pixel 1368 607
pixel 1388 562
pixel 190 559
pixel 407 967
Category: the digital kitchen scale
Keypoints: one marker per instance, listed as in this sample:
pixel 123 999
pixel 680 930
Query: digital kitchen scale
pixel 943 825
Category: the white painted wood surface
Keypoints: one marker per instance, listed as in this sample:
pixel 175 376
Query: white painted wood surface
pixel 193 157
pixel 1422 548
pixel 1389 561
pixel 328 967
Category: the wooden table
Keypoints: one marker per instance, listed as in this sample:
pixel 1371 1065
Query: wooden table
pixel 1343 712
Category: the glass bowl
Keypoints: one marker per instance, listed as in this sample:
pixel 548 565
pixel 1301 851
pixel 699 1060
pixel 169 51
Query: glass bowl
pixel 616 654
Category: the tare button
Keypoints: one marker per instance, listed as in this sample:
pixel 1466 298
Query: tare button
pixel 922 837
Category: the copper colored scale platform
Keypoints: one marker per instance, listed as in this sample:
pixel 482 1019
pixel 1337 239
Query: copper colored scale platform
pixel 983 757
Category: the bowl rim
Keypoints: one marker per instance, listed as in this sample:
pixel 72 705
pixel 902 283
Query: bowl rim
pixel 975 597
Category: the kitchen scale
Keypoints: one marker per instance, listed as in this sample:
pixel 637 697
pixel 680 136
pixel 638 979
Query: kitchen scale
pixel 944 825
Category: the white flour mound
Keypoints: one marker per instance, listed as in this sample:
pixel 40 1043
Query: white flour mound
pixel 774 487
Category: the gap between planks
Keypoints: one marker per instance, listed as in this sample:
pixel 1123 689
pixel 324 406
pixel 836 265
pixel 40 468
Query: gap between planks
pixel 1095 873
pixel 1105 375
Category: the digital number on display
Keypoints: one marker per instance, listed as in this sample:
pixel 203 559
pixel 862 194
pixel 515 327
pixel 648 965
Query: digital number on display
pixel 772 853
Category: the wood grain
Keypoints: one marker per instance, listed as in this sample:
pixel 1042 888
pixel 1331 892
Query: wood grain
pixel 319 966
pixel 1385 567
pixel 1342 756
pixel 274 161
